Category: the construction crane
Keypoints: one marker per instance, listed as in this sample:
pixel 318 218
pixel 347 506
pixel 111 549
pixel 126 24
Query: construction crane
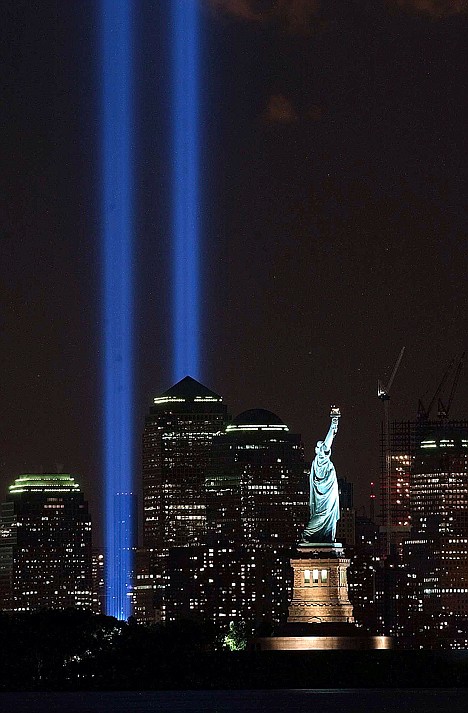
pixel 424 414
pixel 383 393
pixel 443 409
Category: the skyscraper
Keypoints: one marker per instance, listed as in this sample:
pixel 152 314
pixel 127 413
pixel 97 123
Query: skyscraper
pixel 436 553
pixel 362 572
pixel 45 549
pixel 346 525
pixel 397 456
pixel 255 483
pixel 256 506
pixel 177 438
pixel 394 495
pixel 255 495
pixel 98 581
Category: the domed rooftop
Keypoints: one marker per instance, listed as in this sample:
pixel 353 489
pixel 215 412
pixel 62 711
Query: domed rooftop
pixel 257 419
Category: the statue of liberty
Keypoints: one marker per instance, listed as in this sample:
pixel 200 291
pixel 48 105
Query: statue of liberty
pixel 324 499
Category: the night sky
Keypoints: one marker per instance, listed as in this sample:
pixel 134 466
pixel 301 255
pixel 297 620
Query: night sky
pixel 333 218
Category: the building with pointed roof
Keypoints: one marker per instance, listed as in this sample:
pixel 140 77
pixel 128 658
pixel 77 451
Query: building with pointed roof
pixel 223 502
pixel 177 438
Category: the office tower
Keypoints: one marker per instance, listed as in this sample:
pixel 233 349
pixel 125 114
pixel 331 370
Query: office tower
pixel 346 525
pixel 436 553
pixel 98 582
pixel 346 493
pixel 394 496
pixel 177 440
pixel 45 552
pixel 397 603
pixel 362 573
pixel 7 542
pixel 255 483
pixel 257 503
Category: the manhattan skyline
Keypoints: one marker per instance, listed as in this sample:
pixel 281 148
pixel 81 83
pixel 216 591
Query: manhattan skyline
pixel 332 221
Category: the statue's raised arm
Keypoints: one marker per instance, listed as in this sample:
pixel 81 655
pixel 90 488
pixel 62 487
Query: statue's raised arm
pixel 335 416
pixel 324 498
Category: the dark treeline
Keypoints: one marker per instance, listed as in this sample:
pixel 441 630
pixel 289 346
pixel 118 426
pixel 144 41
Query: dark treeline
pixel 78 650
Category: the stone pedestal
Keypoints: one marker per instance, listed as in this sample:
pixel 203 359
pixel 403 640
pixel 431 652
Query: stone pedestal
pixel 320 613
pixel 320 586
pixel 327 642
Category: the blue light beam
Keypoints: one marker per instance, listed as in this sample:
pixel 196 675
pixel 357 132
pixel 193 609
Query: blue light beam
pixel 185 188
pixel 117 337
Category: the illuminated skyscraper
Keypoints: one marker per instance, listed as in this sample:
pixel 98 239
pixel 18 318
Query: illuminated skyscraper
pixel 45 552
pixel 234 563
pixel 395 519
pixel 362 572
pixel 436 553
pixel 256 471
pixel 98 583
pixel 177 439
pixel 257 494
pixel 395 505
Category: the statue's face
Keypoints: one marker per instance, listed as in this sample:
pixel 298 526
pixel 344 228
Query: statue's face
pixel 320 448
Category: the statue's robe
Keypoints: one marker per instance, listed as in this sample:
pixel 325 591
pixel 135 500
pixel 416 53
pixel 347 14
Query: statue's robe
pixel 324 501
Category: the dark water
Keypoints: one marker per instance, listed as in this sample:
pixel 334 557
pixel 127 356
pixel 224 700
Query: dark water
pixel 355 700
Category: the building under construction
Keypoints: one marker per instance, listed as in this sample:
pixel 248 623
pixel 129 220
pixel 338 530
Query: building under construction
pixel 436 552
pixel 400 441
pixel 422 573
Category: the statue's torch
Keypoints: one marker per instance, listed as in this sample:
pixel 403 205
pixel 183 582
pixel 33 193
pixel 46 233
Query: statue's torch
pixel 335 415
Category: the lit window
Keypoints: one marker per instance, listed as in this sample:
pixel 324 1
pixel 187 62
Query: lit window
pixel 307 576
pixel 315 575
pixel 324 575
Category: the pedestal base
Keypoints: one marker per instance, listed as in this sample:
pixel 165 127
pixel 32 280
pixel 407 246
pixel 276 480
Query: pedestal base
pixel 320 613
pixel 320 643
pixel 320 585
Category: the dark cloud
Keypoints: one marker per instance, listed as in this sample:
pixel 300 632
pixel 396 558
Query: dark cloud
pixel 280 110
pixel 243 9
pixel 315 112
pixel 295 16
pixel 298 16
pixel 301 16
pixel 435 8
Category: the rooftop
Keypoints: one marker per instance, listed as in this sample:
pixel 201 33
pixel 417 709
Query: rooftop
pixel 44 482
pixel 187 389
pixel 257 419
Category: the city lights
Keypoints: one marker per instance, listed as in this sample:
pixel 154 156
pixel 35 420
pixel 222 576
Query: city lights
pixel 117 230
pixel 46 544
pixel 185 189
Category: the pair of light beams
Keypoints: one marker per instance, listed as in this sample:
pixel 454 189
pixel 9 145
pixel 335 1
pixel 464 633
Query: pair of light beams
pixel 118 233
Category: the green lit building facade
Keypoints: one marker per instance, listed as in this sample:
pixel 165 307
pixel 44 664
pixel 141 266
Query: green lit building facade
pixel 45 545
